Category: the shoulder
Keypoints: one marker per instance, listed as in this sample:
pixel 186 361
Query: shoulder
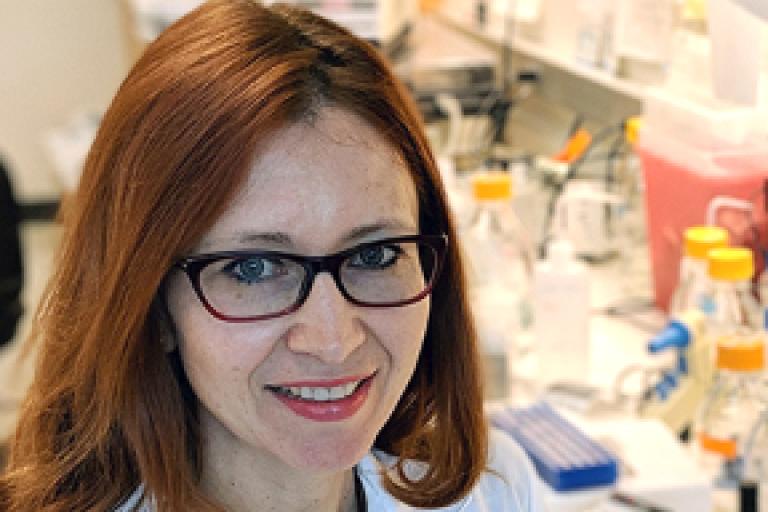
pixel 509 484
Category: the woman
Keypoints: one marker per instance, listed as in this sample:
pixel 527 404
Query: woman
pixel 259 303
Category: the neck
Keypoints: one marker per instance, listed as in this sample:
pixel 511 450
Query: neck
pixel 244 481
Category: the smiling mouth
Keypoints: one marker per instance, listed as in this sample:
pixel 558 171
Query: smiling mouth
pixel 320 393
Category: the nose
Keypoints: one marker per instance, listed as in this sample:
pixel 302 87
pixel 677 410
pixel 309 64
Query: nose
pixel 327 325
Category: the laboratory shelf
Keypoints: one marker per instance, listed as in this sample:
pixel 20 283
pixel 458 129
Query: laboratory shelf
pixel 494 33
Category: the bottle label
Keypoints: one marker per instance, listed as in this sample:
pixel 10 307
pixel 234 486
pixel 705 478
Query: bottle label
pixel 707 304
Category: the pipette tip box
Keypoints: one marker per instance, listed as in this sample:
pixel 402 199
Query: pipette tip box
pixel 563 455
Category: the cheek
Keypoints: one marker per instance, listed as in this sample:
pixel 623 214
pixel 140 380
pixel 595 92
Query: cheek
pixel 402 332
pixel 211 348
pixel 214 347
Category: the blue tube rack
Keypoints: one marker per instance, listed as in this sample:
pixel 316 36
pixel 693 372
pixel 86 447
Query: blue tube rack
pixel 563 455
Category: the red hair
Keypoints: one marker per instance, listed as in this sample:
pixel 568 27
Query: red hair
pixel 109 409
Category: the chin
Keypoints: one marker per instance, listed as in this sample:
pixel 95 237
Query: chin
pixel 330 456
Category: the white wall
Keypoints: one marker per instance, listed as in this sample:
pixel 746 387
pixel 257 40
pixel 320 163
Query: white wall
pixel 56 57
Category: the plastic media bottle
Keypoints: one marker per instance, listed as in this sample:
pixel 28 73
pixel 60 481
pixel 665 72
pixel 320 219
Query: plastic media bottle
pixel 500 267
pixel 561 302
pixel 736 399
pixel 693 291
pixel 690 304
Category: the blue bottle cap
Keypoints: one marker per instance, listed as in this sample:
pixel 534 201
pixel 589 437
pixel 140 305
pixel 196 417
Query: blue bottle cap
pixel 674 335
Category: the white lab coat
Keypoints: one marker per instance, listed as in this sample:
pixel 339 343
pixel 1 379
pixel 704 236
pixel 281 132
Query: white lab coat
pixel 510 487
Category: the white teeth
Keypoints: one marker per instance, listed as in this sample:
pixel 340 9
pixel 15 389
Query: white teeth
pixel 322 394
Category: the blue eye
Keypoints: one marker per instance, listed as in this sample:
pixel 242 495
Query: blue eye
pixel 254 269
pixel 375 257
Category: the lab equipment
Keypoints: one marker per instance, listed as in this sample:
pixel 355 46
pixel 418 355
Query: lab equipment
pixel 589 217
pixel 500 264
pixel 575 147
pixel 573 31
pixel 732 407
pixel 595 35
pixel 561 287
pixel 748 497
pixel 693 291
pixel 691 300
pixel 682 334
pixel 679 333
pixel 676 394
pixel 643 34
pixel 692 150
pixel 736 54
pixel 563 455
pixel 736 399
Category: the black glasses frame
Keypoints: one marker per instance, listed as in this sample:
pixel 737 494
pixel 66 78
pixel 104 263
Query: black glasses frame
pixel 314 265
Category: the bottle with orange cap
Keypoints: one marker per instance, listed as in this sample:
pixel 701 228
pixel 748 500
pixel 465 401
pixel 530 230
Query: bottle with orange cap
pixel 736 398
pixel 500 268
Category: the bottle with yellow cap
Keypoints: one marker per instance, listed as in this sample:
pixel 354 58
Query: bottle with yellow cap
pixel 736 398
pixel 686 331
pixel 694 289
pixel 500 267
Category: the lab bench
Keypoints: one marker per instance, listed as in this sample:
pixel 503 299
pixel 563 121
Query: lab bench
pixel 654 464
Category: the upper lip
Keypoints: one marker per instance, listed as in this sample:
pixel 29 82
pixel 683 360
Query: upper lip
pixel 322 383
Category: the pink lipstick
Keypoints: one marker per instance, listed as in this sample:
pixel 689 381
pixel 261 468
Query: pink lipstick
pixel 324 400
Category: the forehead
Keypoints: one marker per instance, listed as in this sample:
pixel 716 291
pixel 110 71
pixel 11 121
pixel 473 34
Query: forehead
pixel 317 181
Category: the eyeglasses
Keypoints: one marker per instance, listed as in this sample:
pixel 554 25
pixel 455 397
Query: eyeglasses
pixel 245 286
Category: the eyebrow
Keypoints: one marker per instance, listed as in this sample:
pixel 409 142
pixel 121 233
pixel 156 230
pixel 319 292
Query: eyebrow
pixel 365 230
pixel 283 239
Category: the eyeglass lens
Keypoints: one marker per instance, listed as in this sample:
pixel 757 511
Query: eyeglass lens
pixel 263 284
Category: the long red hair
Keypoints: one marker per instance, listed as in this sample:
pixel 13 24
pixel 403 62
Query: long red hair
pixel 108 409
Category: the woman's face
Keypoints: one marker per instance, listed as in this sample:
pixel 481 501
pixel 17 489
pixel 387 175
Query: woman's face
pixel 315 189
